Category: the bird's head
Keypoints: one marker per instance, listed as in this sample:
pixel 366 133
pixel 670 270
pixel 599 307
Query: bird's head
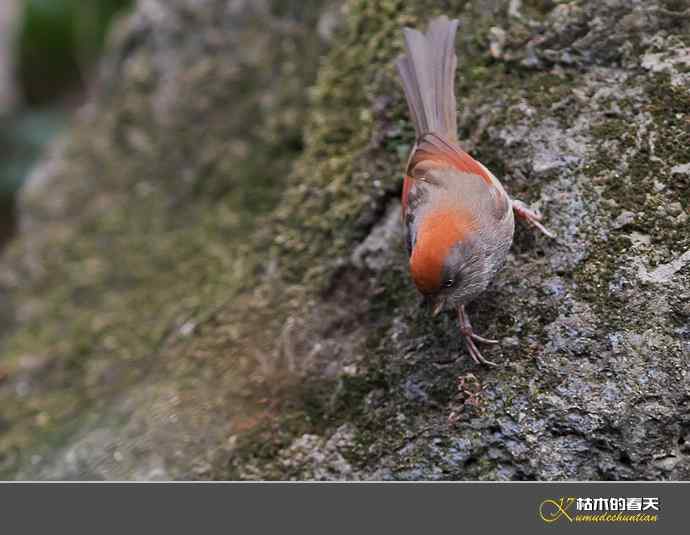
pixel 447 262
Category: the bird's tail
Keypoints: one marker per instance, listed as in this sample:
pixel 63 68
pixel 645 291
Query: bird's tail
pixel 427 70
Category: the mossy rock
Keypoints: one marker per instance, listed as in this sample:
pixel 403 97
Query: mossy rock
pixel 210 281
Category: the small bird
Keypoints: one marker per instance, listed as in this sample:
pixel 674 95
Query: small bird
pixel 459 220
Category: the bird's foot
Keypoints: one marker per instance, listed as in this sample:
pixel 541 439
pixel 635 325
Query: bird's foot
pixel 531 216
pixel 470 338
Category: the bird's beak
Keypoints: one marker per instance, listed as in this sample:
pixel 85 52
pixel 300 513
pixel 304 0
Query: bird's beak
pixel 438 306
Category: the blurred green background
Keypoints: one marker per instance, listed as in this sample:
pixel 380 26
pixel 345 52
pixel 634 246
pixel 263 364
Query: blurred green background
pixel 55 50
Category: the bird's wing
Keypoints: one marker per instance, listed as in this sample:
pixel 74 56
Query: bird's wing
pixel 434 151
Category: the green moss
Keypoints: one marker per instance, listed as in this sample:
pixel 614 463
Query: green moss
pixel 153 241
pixel 538 9
pixel 630 173
pixel 633 187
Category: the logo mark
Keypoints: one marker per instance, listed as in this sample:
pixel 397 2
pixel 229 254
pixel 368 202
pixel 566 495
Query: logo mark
pixel 552 510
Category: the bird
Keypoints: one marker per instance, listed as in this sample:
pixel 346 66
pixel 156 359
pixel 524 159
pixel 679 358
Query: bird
pixel 459 221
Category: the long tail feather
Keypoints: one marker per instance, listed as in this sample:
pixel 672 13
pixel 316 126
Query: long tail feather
pixel 427 70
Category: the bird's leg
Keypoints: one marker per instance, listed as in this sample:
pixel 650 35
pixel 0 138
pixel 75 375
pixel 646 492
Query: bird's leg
pixel 470 337
pixel 531 216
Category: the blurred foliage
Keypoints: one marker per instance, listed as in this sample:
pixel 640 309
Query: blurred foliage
pixel 21 142
pixel 59 42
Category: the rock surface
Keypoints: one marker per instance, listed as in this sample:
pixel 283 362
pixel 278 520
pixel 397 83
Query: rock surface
pixel 210 281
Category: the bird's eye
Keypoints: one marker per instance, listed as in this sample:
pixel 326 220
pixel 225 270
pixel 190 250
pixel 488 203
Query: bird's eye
pixel 448 283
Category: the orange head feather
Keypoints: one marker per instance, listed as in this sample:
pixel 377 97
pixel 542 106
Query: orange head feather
pixel 439 231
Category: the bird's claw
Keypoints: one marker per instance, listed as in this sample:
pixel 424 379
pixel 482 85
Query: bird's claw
pixel 483 340
pixel 531 216
pixel 470 337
